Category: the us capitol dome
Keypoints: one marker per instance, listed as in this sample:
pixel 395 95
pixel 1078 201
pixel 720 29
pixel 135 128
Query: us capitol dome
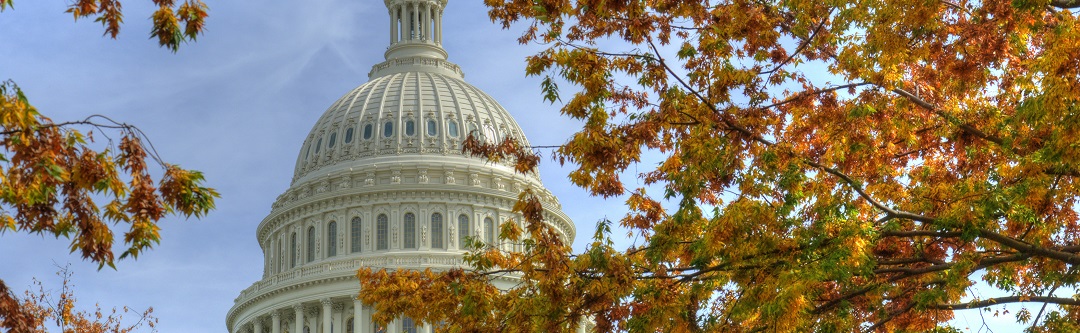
pixel 381 182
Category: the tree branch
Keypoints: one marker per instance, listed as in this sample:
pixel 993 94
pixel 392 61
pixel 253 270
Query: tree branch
pixel 862 193
pixel 1066 4
pixel 1005 300
pixel 803 45
pixel 917 233
pixel 966 127
pixel 1024 247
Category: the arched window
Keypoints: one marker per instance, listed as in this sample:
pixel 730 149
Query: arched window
pixel 410 127
pixel 451 127
pixel 333 140
pixel 331 239
pixel 348 135
pixel 432 127
pixel 277 254
pixel 387 131
pixel 489 231
pixel 318 145
pixel 381 230
pixel 292 251
pixel 437 231
pixel 408 325
pixel 367 131
pixel 310 244
pixel 354 235
pixel 409 229
pixel 463 230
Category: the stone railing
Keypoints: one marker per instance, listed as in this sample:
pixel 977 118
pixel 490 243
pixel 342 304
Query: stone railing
pixel 336 267
pixel 414 62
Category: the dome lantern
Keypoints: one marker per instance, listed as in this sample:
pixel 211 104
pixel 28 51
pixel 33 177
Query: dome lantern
pixel 415 28
pixel 415 40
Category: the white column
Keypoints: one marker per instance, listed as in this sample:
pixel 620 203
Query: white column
pixel 438 26
pixel 339 318
pixel 275 322
pixel 266 262
pixel 258 325
pixel 426 22
pixel 360 322
pixel 299 327
pixel 406 21
pixel 415 21
pixel 326 303
pixel 393 25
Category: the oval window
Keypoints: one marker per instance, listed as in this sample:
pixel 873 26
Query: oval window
pixel 367 131
pixel 472 131
pixel 348 135
pixel 388 129
pixel 410 127
pixel 318 145
pixel 452 128
pixel 432 128
pixel 333 140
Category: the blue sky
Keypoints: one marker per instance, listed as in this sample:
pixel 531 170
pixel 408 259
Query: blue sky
pixel 237 105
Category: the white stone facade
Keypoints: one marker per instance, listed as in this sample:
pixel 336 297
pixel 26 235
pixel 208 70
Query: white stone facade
pixel 381 182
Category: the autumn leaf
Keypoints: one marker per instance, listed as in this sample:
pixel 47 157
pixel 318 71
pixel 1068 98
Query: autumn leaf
pixel 826 166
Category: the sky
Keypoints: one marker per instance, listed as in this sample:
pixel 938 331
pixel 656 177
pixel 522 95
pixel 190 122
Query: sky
pixel 237 105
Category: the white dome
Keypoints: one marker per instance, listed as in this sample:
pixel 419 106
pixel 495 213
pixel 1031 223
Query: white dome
pixel 402 116
pixel 381 182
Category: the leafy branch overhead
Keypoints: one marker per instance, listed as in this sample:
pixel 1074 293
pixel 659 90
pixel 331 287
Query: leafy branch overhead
pixel 826 166
pixel 172 24
pixel 52 176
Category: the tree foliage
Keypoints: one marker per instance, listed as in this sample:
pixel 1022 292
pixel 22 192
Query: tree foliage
pixel 172 24
pixel 47 309
pixel 52 176
pixel 830 166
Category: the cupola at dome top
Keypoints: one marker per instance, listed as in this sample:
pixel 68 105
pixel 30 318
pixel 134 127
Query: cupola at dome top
pixel 415 28
pixel 415 39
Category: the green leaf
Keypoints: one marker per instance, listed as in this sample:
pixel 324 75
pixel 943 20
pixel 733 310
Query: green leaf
pixel 550 90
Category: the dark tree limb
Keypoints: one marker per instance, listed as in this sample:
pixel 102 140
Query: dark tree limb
pixel 1066 4
pixel 1004 300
